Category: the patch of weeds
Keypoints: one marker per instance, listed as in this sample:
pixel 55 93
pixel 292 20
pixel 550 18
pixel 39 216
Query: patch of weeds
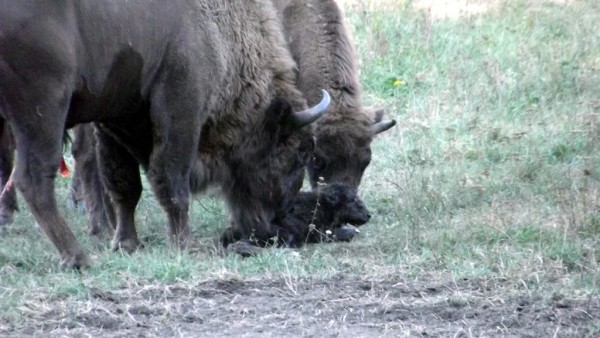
pixel 483 235
pixel 568 254
pixel 473 154
pixel 590 226
pixel 527 235
pixel 561 152
pixel 568 150
pixel 529 171
pixel 494 154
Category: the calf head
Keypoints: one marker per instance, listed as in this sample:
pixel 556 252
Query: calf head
pixel 343 146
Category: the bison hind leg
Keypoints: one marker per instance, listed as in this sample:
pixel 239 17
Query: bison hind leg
pixel 37 187
pixel 120 175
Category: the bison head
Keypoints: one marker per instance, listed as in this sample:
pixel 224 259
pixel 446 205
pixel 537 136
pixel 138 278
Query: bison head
pixel 264 169
pixel 343 146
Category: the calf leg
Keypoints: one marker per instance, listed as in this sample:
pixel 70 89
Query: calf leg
pixel 120 174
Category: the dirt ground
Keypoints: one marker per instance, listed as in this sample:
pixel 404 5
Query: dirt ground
pixel 339 306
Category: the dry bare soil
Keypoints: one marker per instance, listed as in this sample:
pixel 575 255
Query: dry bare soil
pixel 338 306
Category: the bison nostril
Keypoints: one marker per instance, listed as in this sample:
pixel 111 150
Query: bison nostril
pixel 368 216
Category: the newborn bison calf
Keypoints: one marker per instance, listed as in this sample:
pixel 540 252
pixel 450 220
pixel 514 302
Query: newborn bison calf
pixel 330 214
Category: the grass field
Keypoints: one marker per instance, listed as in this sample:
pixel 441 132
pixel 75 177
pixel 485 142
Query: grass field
pixel 485 201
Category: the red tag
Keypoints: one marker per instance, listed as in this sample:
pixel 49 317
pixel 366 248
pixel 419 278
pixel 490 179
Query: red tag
pixel 64 170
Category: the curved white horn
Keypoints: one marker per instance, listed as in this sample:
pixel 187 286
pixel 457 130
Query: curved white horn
pixel 302 118
pixel 382 126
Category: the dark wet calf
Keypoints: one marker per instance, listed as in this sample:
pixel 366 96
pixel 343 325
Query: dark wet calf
pixel 329 214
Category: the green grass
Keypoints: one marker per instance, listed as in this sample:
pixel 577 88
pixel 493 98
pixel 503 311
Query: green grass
pixel 491 172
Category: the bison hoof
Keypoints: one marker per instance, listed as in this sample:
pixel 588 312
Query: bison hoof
pixel 345 233
pixel 244 248
pixel 128 245
pixel 78 261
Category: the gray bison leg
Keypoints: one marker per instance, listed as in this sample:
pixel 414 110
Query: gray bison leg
pixel 39 134
pixel 75 194
pixel 101 217
pixel 121 176
pixel 176 126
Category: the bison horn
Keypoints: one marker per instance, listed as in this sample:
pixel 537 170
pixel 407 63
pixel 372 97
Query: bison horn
pixel 302 118
pixel 382 126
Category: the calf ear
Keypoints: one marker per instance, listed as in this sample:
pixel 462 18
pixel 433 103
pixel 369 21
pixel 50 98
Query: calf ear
pixel 330 199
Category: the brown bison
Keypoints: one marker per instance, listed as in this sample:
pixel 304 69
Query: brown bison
pixel 322 47
pixel 196 92
pixel 328 214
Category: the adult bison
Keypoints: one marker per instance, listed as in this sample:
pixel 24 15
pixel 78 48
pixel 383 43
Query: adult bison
pixel 321 45
pixel 197 92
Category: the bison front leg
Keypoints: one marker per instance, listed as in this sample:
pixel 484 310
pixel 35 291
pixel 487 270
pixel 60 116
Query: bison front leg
pixel 170 182
pixel 38 135
pixel 120 174
pixel 176 132
pixel 37 187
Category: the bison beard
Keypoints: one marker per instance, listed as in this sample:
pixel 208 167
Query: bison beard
pixel 200 93
pixel 314 217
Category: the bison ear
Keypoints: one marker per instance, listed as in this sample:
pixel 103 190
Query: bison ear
pixel 377 114
pixel 276 118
